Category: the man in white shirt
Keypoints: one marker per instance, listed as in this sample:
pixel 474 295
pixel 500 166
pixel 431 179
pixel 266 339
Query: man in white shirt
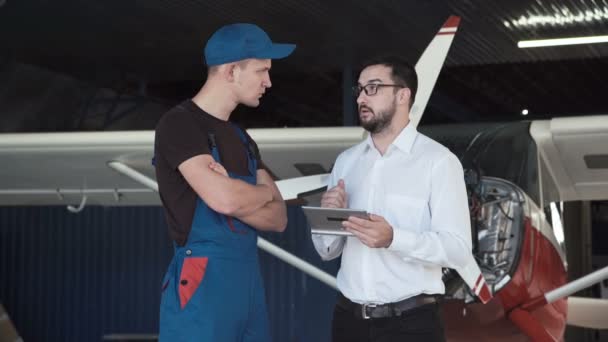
pixel 413 188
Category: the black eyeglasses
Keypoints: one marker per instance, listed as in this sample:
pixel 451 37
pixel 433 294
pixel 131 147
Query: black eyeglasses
pixel 372 88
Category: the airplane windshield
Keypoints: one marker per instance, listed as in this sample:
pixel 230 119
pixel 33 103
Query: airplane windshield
pixel 501 150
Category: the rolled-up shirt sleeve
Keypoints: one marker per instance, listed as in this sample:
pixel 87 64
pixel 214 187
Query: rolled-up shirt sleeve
pixel 447 241
pixel 329 246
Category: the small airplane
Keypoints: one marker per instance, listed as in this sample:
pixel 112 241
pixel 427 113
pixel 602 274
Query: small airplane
pixel 514 288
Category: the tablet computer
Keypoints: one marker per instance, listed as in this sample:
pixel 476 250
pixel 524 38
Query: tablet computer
pixel 329 220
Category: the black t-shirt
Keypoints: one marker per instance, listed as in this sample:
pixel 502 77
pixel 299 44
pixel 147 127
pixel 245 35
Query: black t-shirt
pixel 182 133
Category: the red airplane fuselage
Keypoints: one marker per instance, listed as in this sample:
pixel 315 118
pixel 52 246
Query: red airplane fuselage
pixel 539 270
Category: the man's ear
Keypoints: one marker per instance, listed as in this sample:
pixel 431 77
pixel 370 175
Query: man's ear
pixel 228 71
pixel 405 94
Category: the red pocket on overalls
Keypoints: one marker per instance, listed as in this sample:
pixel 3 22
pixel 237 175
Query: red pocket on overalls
pixel 193 272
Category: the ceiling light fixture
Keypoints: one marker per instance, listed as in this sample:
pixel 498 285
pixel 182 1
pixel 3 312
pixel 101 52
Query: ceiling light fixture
pixel 524 112
pixel 562 41
pixel 560 17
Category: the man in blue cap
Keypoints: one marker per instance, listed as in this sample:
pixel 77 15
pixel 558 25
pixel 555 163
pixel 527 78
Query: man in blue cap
pixel 217 196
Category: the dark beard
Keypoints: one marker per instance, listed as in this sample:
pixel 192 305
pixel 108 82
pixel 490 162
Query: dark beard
pixel 381 121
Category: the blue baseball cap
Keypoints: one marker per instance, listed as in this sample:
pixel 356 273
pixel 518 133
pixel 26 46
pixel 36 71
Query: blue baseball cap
pixel 236 42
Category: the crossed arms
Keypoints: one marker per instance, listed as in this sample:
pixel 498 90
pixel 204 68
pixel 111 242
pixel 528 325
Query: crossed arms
pixel 261 205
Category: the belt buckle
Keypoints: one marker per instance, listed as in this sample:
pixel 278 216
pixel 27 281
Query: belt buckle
pixel 364 310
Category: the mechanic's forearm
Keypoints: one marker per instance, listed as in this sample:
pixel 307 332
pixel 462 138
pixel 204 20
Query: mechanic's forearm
pixel 241 198
pixel 271 217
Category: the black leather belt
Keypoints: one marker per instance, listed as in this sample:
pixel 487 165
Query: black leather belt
pixel 367 311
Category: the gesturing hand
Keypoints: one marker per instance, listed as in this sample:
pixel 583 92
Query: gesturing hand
pixel 374 233
pixel 335 197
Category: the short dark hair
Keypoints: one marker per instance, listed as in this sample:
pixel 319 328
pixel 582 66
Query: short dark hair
pixel 402 72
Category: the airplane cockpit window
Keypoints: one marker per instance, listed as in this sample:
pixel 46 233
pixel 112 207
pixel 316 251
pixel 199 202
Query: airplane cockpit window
pixel 505 151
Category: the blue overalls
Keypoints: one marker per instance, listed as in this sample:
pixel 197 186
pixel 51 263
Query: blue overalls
pixel 213 289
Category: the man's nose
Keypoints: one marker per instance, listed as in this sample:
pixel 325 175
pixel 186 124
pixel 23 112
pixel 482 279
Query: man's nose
pixel 267 82
pixel 361 99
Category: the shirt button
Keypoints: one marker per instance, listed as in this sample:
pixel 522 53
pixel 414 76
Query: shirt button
pixel 184 282
pixel 188 252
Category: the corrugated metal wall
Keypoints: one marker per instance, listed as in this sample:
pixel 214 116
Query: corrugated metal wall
pixel 300 307
pixel 78 277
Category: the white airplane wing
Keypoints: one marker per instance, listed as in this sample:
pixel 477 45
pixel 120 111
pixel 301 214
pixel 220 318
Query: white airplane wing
pixel 574 160
pixel 574 154
pixel 63 168
pixel 588 312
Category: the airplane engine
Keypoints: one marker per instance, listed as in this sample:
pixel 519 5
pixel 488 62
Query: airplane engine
pixel 497 220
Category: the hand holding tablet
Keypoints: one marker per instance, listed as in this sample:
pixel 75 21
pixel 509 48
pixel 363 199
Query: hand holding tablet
pixel 328 221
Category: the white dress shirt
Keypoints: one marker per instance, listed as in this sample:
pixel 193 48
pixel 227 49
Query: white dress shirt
pixel 418 187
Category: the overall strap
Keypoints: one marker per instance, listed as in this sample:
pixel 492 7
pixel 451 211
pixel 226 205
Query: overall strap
pixel 213 147
pixel 251 159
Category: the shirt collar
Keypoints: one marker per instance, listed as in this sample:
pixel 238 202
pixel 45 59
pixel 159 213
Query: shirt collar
pixel 404 141
pixel 369 143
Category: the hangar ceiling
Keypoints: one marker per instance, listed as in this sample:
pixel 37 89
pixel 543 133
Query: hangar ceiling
pixel 157 45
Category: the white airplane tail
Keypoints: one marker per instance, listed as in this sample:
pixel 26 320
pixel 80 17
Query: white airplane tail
pixel 429 65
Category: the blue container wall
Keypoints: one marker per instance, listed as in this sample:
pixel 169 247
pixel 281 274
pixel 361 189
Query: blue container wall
pixel 78 277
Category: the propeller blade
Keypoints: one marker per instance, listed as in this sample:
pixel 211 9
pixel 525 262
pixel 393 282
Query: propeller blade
pixel 429 65
pixel 291 188
pixel 588 312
